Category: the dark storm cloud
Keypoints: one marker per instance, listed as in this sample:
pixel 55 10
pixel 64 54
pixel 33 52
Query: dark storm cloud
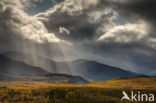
pixel 139 9
pixel 87 21
pixel 142 8
pixel 77 17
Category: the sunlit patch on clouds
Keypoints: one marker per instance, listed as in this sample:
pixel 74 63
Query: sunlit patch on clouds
pixel 126 33
pixel 63 30
pixel 35 30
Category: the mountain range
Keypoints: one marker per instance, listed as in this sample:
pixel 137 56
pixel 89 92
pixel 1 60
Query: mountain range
pixel 83 68
pixel 11 70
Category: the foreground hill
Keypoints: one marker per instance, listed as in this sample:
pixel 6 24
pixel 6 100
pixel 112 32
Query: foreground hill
pixel 11 70
pixel 96 92
pixel 87 69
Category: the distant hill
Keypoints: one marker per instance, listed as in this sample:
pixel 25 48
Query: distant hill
pixel 133 82
pixel 85 68
pixel 11 70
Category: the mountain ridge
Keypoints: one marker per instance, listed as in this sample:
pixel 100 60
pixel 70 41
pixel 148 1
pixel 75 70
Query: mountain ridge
pixel 84 68
pixel 11 70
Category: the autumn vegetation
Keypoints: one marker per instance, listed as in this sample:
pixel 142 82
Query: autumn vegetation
pixel 95 92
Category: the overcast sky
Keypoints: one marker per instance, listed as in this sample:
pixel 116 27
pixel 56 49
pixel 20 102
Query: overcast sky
pixel 120 33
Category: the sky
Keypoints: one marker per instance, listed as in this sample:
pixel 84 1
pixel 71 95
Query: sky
pixel 119 33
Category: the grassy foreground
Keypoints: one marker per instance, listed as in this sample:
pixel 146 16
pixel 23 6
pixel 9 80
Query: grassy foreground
pixel 95 92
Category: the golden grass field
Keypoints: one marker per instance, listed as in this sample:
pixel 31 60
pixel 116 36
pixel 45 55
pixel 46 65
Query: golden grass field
pixel 95 92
